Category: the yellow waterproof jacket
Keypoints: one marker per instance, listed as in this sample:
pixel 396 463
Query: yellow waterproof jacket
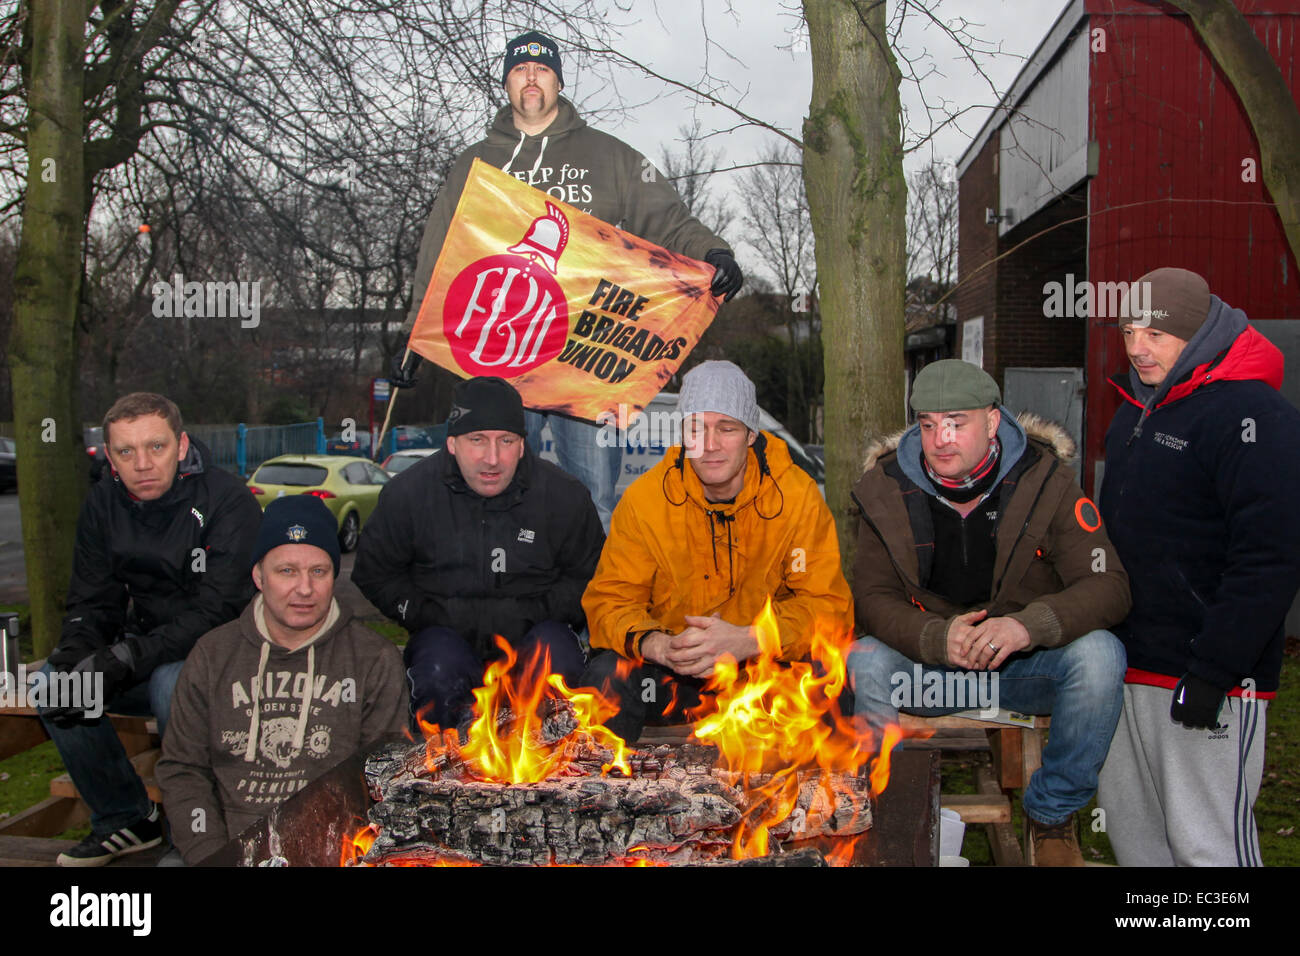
pixel 670 553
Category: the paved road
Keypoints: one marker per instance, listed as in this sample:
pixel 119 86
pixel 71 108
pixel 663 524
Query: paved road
pixel 13 572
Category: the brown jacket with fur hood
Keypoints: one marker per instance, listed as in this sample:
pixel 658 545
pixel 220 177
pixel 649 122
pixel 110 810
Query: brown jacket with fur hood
pixel 1056 571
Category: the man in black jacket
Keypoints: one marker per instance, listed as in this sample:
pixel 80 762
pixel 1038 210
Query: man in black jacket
pixel 481 541
pixel 1196 494
pixel 161 558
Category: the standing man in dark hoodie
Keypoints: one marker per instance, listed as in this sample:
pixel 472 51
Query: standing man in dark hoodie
pixel 541 140
pixel 161 558
pixel 1196 495
pixel 268 703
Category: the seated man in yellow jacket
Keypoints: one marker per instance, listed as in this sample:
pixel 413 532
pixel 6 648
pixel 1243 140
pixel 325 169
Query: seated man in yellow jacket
pixel 696 546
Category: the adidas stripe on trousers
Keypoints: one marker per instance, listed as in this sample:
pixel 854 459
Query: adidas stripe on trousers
pixel 1175 796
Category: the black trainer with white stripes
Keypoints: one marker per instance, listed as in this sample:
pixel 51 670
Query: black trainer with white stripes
pixel 97 850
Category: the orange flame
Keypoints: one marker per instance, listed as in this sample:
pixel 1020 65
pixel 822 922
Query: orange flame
pixel 519 753
pixel 356 846
pixel 775 719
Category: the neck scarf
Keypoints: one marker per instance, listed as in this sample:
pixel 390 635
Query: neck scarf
pixel 973 485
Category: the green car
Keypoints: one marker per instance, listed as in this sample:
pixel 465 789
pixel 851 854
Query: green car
pixel 348 486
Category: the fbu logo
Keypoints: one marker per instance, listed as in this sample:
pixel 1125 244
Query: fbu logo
pixel 505 314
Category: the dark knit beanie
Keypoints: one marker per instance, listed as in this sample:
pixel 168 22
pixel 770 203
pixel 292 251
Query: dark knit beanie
pixel 485 404
pixel 951 385
pixel 533 47
pixel 1174 301
pixel 298 519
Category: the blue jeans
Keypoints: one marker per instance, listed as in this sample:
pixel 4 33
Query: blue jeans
pixel 1081 685
pixel 98 764
pixel 443 670
pixel 595 466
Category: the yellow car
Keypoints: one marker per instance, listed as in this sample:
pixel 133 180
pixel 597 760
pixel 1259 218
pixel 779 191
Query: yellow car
pixel 348 486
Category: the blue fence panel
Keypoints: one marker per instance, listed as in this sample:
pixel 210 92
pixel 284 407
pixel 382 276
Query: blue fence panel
pixel 241 448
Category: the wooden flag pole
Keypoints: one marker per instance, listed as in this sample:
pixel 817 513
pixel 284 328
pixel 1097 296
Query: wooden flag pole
pixel 388 415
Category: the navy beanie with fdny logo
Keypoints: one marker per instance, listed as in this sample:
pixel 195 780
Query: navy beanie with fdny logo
pixel 533 47
pixel 298 519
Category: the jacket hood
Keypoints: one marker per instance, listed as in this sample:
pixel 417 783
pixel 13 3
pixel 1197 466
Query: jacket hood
pixel 1226 348
pixel 1014 431
pixel 767 463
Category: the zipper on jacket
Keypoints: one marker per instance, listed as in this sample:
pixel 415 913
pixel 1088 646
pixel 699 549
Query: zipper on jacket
pixel 1033 506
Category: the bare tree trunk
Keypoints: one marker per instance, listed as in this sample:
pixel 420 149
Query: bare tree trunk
pixel 42 348
pixel 1264 95
pixel 853 173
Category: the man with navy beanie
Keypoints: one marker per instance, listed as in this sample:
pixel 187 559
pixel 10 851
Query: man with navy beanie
pixel 269 702
pixel 539 138
pixel 480 544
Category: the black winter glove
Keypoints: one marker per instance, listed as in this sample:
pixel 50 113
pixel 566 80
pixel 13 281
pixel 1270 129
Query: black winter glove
pixel 404 372
pixel 67 656
pixel 116 663
pixel 727 277
pixel 1196 703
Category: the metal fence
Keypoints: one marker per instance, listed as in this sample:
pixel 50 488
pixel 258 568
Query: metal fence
pixel 241 448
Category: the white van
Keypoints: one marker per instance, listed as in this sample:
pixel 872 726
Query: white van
pixel 660 429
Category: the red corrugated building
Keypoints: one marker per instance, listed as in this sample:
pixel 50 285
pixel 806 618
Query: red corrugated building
pixel 1123 135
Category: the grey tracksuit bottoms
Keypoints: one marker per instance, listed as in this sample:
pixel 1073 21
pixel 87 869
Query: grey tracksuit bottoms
pixel 1174 796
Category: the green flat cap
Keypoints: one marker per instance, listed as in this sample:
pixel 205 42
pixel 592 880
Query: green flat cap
pixel 952 385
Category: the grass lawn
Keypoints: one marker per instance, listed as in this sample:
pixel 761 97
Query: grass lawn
pixel 25 778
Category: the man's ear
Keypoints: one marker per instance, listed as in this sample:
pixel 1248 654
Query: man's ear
pixel 451 445
pixel 257 575
pixel 753 436
pixel 995 419
pixel 184 446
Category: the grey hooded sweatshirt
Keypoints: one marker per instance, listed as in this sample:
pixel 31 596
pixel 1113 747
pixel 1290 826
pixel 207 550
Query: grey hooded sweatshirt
pixel 303 711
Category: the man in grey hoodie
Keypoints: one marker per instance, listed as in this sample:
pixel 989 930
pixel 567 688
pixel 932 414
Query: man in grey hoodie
pixel 540 139
pixel 269 702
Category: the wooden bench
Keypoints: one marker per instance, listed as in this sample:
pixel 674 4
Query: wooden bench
pixel 1017 752
pixel 20 730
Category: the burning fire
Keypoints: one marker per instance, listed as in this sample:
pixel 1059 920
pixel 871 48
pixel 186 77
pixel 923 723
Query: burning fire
pixel 776 725
pixel 776 719
pixel 507 743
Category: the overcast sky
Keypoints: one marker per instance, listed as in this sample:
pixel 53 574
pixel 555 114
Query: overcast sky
pixel 759 50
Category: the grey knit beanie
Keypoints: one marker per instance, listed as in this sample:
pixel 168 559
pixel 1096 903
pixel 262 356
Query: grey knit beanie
pixel 720 387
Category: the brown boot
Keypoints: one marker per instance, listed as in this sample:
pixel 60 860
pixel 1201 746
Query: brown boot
pixel 1057 845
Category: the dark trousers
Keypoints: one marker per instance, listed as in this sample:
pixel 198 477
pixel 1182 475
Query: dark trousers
pixel 443 670
pixel 645 693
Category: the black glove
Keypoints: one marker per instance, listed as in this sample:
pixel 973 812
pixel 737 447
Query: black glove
pixel 67 656
pixel 116 663
pixel 404 372
pixel 1196 703
pixel 727 277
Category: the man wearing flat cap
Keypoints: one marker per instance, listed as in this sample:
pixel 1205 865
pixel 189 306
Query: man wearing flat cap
pixel 698 545
pixel 1197 500
pixel 479 542
pixel 978 552
pixel 539 138
pixel 269 702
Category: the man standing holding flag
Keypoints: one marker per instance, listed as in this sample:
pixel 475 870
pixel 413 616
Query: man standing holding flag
pixel 542 141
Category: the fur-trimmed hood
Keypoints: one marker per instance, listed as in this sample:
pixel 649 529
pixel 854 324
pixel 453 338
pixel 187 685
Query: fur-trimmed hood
pixel 1033 425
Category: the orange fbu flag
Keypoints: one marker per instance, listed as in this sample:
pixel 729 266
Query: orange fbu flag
pixel 579 316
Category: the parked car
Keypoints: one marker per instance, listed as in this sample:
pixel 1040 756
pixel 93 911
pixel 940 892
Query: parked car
pixel 349 486
pixel 94 441
pixel 359 446
pixel 8 465
pixel 401 460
